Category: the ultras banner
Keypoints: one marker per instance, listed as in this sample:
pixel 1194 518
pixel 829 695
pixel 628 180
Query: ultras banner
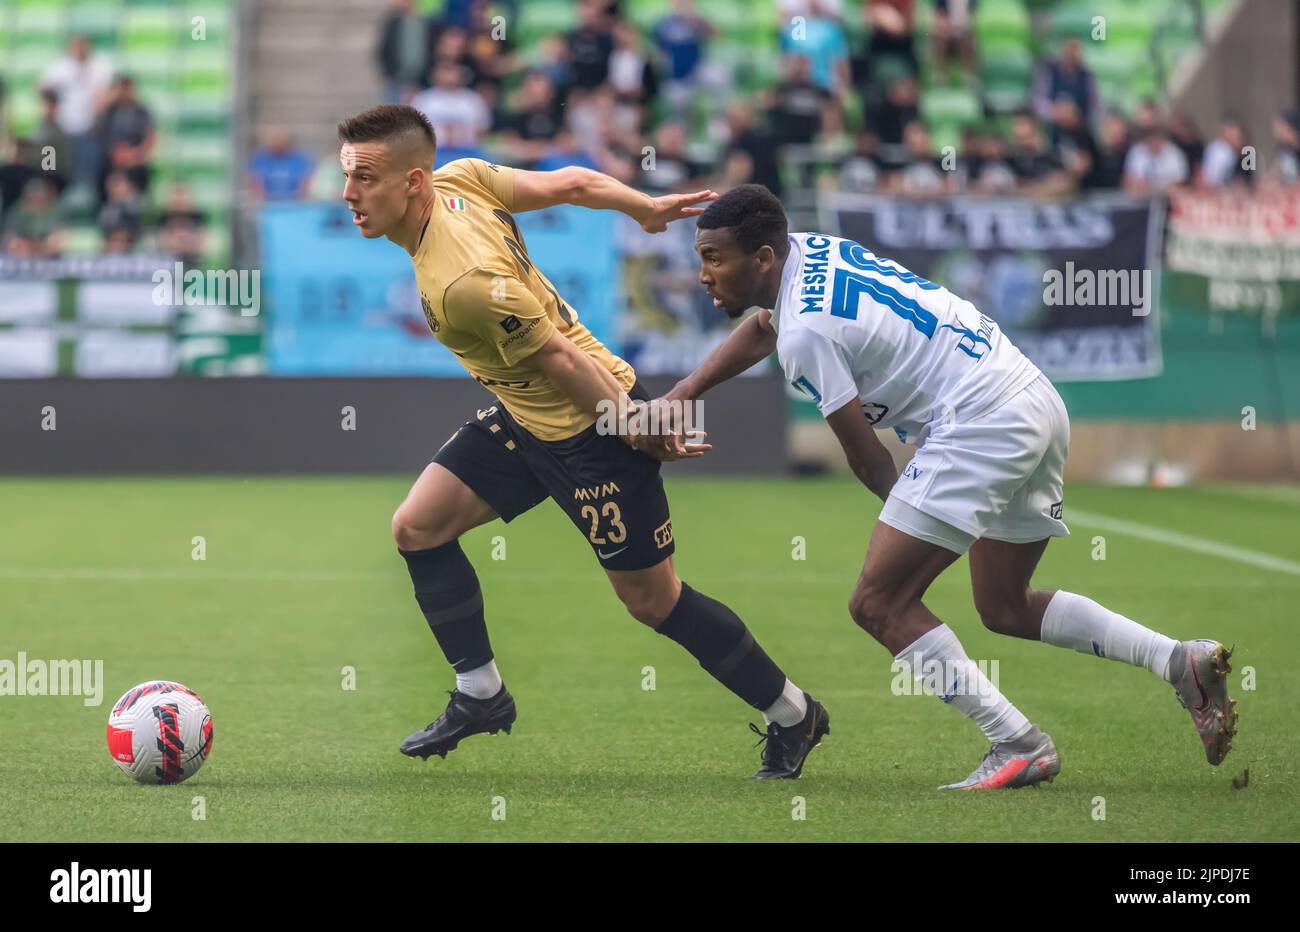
pixel 1072 283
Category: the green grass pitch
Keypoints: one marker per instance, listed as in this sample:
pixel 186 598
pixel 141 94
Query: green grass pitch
pixel 301 579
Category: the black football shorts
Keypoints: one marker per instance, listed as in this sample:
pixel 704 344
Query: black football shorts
pixel 612 493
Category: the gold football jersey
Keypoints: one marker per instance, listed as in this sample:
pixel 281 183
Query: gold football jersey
pixel 487 303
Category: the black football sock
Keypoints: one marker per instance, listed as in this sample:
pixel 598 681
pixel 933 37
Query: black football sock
pixel 724 647
pixel 446 587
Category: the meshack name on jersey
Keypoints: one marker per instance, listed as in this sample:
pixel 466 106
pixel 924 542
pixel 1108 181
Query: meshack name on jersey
pixel 853 325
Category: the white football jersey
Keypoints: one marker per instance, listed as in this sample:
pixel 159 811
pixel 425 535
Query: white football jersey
pixel 851 325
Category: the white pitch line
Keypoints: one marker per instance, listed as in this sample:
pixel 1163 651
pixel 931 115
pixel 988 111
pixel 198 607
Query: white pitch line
pixel 1186 541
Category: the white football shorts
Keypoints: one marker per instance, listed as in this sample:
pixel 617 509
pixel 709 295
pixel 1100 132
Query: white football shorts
pixel 999 475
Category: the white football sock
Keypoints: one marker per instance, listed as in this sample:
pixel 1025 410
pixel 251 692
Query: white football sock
pixel 482 682
pixel 1081 624
pixel 789 708
pixel 937 655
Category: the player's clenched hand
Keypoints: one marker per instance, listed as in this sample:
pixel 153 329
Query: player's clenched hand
pixel 672 207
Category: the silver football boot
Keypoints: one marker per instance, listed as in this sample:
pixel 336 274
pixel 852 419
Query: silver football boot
pixel 1199 672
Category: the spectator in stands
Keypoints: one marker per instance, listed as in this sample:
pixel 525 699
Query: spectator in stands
pixel 671 169
pixel 1154 164
pixel 1223 156
pixel 126 136
pixel 180 226
pixel 122 216
pixel 81 80
pixel 1036 170
pixel 1108 172
pixel 863 171
pixel 924 173
pixel 49 139
pixel 1184 134
pixel 757 145
pixel 1146 115
pixel 452 47
pixel 280 171
pixel 563 152
pixel 892 25
pixel 1073 145
pixel 553 61
pixel 405 39
pixel 950 29
pixel 632 77
pixel 1286 136
pixel 819 39
pixel 459 115
pixel 988 169
pixel 490 49
pixel 1068 77
pixel 798 103
pixel 590 45
pixel 33 228
pixel 462 13
pixel 17 172
pixel 682 38
pixel 900 106
pixel 528 129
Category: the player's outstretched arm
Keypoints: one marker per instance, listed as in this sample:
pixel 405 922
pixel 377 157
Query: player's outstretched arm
pixel 867 456
pixel 592 189
pixel 752 341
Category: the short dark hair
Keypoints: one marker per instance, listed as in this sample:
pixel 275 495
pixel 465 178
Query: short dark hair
pixel 390 123
pixel 754 216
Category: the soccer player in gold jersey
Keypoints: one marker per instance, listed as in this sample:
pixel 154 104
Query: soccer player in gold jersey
pixel 487 302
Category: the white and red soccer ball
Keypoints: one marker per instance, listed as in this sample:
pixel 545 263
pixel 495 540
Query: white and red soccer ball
pixel 160 732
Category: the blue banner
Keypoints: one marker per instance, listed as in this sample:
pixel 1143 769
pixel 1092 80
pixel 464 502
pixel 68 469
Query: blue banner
pixel 344 305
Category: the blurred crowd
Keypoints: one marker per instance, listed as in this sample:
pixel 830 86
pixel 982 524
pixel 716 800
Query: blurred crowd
pixel 90 154
pixel 628 102
pixel 658 108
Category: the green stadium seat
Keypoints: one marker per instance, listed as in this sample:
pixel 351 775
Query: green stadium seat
pixel 645 13
pixel 549 16
pixel 39 25
pixel 98 20
pixel 1072 20
pixel 203 152
pixel 1128 23
pixel 216 24
pixel 83 240
pixel 954 105
pixel 730 17
pixel 1112 63
pixel 151 30
pixel 1001 21
pixel 25 64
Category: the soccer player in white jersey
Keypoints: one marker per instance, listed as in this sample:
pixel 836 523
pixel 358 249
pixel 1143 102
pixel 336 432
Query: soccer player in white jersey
pixel 876 346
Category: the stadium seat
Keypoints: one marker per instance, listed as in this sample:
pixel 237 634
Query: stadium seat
pixel 950 105
pixel 1001 21
pixel 645 13
pixel 97 19
pixel 1072 20
pixel 149 31
pixel 547 17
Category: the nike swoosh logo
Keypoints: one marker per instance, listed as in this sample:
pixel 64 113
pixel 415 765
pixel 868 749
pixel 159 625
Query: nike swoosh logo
pixel 606 556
